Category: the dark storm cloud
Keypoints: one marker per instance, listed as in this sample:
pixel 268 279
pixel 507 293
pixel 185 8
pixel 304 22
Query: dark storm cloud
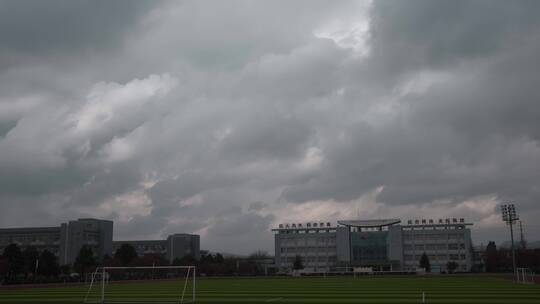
pixel 423 33
pixel 61 27
pixel 177 116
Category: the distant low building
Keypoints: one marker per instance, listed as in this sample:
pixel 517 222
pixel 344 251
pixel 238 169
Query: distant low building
pixel 66 240
pixel 145 247
pixel 176 246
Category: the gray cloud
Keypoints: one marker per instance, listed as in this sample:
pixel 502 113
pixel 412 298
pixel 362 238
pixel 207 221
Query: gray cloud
pixel 31 31
pixel 177 116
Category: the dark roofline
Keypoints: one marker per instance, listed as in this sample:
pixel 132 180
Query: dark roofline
pixel 370 223
pixel 437 225
pixel 138 241
pixel 30 229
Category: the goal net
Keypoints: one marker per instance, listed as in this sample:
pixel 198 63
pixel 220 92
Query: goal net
pixel 148 284
pixel 524 275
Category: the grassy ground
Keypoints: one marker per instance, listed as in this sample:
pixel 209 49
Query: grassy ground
pixel 303 290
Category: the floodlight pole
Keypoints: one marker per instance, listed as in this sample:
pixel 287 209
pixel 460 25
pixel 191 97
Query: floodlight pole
pixel 513 248
pixel 509 215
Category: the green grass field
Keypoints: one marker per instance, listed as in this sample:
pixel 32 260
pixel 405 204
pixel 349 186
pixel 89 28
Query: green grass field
pixel 304 290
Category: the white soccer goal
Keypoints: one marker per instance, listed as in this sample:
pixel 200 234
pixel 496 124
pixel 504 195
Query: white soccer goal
pixel 95 276
pixel 146 284
pixel 524 275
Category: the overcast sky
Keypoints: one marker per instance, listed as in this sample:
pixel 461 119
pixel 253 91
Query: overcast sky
pixel 226 118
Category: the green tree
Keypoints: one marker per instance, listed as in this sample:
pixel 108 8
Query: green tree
pixel 153 259
pixel 126 253
pixel 85 259
pixel 13 255
pixel 451 266
pixel 424 262
pixel 207 259
pixel 48 264
pixel 258 255
pixel 298 263
pixel 65 269
pixel 4 266
pixel 492 257
pixel 30 257
pixel 187 260
pixel 219 258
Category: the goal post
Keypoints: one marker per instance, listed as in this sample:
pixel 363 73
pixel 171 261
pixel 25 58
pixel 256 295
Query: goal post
pixel 142 284
pixel 524 275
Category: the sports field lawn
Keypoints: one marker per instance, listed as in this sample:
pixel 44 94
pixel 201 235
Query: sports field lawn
pixel 304 290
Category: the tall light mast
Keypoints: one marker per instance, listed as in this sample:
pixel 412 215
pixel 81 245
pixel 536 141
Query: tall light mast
pixel 510 216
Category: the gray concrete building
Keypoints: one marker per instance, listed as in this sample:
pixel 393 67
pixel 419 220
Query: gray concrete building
pixel 383 245
pixel 182 244
pixel 145 247
pixel 42 238
pixel 66 240
pixel 175 246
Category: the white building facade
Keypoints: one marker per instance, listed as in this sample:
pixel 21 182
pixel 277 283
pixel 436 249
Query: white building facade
pixel 384 245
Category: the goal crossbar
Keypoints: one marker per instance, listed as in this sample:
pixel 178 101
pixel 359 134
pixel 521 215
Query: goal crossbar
pixel 103 274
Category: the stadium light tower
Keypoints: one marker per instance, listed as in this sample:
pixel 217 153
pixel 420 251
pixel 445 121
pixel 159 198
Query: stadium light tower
pixel 510 216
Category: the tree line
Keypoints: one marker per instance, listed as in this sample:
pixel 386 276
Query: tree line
pixel 28 265
pixel 424 262
pixel 32 266
pixel 500 260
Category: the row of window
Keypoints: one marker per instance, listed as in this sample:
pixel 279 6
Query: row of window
pixel 436 257
pixel 29 238
pixel 89 236
pixel 307 249
pixel 151 248
pixel 433 236
pixel 308 241
pixel 422 247
pixel 310 259
pixel 54 250
pixel 307 231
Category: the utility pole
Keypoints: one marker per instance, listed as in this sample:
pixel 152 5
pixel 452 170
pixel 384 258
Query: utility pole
pixel 509 215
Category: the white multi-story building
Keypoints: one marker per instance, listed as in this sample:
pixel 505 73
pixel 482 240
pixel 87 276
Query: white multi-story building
pixel 314 242
pixel 443 241
pixel 382 244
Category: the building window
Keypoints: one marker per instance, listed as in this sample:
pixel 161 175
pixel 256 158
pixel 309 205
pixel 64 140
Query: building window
pixel 452 246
